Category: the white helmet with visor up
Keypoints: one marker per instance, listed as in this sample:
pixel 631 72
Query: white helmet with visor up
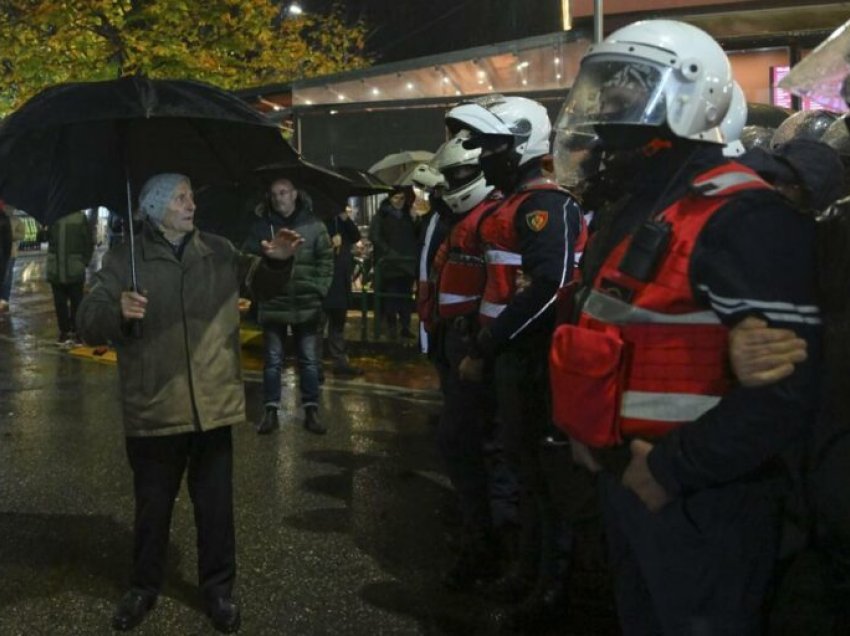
pixel 426 177
pixel 652 73
pixel 466 186
pixel 734 122
pixel 522 121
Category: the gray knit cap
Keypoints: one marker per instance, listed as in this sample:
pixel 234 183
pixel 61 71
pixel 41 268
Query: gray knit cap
pixel 157 192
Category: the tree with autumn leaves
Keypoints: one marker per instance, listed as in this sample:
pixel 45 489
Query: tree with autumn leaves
pixel 229 43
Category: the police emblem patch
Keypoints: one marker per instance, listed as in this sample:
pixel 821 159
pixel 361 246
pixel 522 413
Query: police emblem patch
pixel 537 220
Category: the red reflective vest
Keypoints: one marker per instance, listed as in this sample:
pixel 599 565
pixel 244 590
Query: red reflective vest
pixel 497 234
pixel 425 288
pixel 645 357
pixel 460 266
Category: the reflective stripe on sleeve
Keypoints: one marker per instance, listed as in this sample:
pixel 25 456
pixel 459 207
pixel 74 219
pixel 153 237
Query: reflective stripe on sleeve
pixel 666 407
pixel 609 309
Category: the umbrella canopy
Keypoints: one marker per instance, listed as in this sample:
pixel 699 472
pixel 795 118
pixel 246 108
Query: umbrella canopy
pixel 79 145
pixel 392 168
pixel 228 209
pixel 317 180
pixel 364 182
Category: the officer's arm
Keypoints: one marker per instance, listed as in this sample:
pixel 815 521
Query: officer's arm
pixel 547 224
pixel 741 268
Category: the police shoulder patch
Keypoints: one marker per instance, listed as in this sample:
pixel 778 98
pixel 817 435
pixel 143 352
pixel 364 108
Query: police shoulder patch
pixel 537 220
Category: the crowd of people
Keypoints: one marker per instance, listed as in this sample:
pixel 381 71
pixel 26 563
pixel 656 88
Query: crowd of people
pixel 645 318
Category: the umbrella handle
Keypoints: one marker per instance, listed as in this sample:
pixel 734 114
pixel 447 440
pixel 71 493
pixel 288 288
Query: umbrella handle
pixel 134 328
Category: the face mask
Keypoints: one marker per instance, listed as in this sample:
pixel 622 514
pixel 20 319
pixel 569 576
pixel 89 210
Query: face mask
pixel 628 137
pixel 499 170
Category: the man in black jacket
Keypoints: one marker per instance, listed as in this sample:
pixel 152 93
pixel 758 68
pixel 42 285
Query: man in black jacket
pixel 344 235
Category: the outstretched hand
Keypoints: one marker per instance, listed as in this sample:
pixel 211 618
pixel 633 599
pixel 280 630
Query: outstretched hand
pixel 284 245
pixel 762 355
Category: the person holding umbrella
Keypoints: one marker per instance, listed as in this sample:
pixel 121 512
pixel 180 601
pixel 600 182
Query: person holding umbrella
pixel 181 382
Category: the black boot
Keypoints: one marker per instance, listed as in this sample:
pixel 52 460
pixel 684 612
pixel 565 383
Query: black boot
pixel 479 561
pixel 224 615
pixel 544 609
pixel 311 421
pixel 270 422
pixel 131 610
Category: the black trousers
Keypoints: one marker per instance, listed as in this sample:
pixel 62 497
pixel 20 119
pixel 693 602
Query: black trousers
pixel 334 319
pixel 698 567
pixel 66 299
pixel 158 465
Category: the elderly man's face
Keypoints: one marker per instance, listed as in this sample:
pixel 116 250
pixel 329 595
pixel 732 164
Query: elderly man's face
pixel 180 213
pixel 283 195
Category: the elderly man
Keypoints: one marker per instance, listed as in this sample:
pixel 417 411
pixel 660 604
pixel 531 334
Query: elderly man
pixel 299 307
pixel 181 383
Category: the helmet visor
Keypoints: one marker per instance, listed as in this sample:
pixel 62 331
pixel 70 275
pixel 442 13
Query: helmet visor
pixel 459 176
pixel 577 157
pixel 615 91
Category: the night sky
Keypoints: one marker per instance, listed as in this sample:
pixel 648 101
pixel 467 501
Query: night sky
pixel 403 29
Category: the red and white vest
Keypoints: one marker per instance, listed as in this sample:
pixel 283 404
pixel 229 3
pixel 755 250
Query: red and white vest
pixel 645 357
pixel 500 240
pixel 460 265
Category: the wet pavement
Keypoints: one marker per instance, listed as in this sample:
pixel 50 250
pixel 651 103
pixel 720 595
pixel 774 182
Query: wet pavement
pixel 343 534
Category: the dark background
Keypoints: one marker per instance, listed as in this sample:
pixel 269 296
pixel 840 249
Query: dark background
pixel 404 29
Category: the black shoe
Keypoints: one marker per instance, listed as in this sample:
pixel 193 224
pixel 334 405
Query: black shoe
pixel 269 423
pixel 546 608
pixel 131 610
pixel 224 615
pixel 348 370
pixel 511 588
pixel 311 421
pixel 476 564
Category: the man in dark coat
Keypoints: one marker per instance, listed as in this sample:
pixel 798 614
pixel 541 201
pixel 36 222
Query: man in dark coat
pixel 344 234
pixel 181 383
pixel 394 235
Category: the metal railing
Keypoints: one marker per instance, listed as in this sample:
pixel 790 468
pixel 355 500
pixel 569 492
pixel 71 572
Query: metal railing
pixel 378 297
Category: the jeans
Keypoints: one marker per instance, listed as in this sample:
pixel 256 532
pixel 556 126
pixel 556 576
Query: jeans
pixel 306 339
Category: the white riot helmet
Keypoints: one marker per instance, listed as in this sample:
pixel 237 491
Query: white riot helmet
pixel 734 122
pixel 652 73
pixel 522 120
pixel 466 186
pixel 427 177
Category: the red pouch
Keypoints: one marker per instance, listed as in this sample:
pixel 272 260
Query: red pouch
pixel 587 375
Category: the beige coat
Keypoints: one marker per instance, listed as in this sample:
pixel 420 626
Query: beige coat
pixel 184 373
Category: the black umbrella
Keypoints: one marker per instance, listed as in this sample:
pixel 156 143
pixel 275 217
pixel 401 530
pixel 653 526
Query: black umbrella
pixel 318 181
pixel 82 145
pixel 228 209
pixel 365 182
